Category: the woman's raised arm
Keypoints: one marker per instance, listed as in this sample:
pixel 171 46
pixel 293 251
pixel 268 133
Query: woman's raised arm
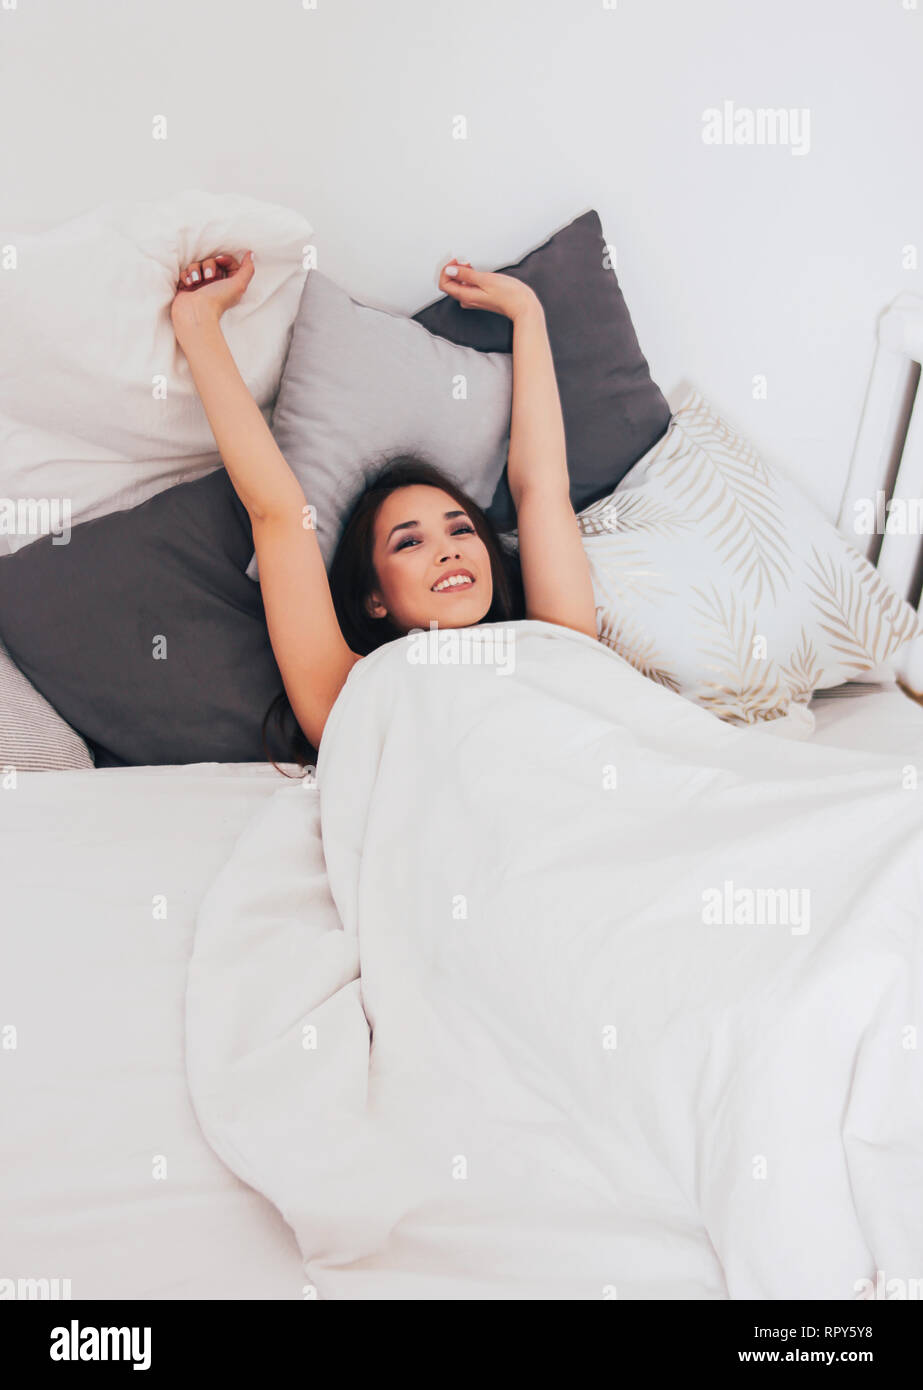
pixel 310 650
pixel 555 570
pixel 261 477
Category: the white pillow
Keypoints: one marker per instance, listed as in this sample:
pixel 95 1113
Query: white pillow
pixel 717 577
pixel 98 408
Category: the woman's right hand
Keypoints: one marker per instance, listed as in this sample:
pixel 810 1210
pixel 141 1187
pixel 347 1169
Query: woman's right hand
pixel 487 289
pixel 215 284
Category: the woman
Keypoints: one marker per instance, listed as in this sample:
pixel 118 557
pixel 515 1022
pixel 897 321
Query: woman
pixel 415 550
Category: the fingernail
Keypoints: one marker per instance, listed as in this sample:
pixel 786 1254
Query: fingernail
pixel 208 272
pixel 194 276
pixel 451 270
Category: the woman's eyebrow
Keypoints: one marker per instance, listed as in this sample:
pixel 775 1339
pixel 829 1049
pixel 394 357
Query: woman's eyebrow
pixel 406 525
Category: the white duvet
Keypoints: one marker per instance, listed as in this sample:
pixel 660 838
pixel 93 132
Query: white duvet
pixel 639 994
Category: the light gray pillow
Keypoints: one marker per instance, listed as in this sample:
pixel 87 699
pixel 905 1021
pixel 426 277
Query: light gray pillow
pixel 360 384
pixel 33 736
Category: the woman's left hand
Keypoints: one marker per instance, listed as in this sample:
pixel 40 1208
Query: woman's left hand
pixel 486 289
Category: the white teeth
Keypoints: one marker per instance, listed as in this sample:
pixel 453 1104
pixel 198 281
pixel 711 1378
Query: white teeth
pixel 452 582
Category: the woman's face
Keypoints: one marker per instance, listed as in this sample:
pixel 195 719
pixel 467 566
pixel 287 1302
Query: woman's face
pixel 431 564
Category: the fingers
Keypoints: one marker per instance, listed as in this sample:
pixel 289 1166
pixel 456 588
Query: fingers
pixel 456 277
pixel 221 266
pixel 462 284
pixel 461 294
pixel 244 271
pixel 466 298
pixel 462 272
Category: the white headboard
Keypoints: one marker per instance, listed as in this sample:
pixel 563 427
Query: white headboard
pixel 887 465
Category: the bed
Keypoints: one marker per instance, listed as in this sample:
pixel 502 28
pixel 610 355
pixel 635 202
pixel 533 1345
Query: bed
pixel 122 1178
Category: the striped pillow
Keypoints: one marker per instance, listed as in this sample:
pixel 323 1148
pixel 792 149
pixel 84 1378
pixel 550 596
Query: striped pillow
pixel 33 736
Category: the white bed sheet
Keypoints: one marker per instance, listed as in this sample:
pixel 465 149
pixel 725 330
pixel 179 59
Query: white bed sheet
pixel 95 1089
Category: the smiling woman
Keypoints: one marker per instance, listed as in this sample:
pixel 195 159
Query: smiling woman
pixel 415 550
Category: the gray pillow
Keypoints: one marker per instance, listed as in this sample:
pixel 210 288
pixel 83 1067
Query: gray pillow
pixel 33 736
pixel 613 410
pixel 145 634
pixel 360 384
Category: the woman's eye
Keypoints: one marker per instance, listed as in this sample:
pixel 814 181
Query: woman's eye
pixel 464 528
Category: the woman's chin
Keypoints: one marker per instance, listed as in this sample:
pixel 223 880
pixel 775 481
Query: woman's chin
pixel 459 612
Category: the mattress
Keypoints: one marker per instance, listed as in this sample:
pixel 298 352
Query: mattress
pixel 876 717
pixel 108 1181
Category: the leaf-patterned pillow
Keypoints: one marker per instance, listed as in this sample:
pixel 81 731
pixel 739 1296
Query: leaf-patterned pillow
pixel 717 577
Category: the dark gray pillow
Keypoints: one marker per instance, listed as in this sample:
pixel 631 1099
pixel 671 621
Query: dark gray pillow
pixel 82 621
pixel 613 411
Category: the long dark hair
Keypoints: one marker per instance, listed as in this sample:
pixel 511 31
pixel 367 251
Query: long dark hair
pixel 353 578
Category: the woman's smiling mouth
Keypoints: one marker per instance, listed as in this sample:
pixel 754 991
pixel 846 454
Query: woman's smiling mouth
pixel 454 581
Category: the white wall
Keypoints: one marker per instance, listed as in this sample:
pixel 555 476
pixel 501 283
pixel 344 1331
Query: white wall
pixel 735 260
